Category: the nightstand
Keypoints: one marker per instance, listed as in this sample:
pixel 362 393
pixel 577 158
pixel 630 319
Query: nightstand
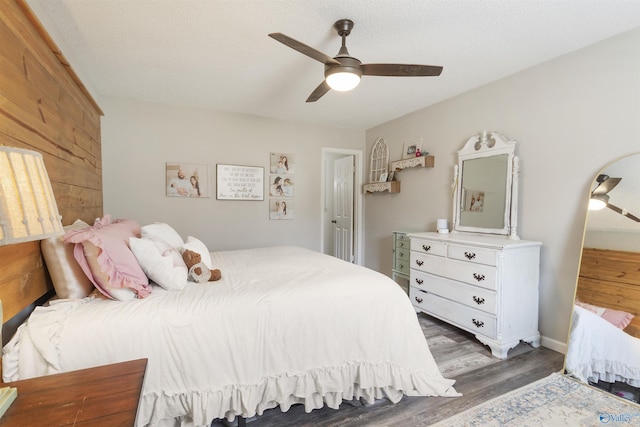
pixel 400 270
pixel 102 396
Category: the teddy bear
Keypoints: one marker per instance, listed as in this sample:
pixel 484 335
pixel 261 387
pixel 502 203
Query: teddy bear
pixel 198 270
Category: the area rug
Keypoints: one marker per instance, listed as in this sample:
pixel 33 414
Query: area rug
pixel 549 402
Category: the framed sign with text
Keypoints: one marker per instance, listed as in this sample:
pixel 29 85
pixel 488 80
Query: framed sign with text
pixel 239 182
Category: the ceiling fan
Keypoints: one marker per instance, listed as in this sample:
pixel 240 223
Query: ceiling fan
pixel 343 71
pixel 600 199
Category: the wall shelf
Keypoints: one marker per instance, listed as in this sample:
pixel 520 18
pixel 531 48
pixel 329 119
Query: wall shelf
pixel 378 187
pixel 423 161
pixel 397 166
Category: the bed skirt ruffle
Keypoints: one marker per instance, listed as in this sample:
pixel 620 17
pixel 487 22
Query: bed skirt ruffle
pixel 315 389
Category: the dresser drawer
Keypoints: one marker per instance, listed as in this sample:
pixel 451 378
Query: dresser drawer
pixel 402 265
pixel 475 274
pixel 403 254
pixel 467 318
pixel 429 247
pixel 472 296
pixel 402 241
pixel 472 254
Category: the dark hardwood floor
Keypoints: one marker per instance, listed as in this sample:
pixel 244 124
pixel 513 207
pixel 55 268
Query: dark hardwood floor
pixel 479 377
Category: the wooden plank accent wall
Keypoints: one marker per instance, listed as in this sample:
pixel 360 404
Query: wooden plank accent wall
pixel 44 107
pixel 611 279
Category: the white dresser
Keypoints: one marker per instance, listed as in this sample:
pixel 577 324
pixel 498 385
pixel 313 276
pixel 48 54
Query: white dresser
pixel 484 284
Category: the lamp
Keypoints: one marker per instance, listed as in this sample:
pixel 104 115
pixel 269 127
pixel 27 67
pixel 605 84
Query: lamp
pixel 598 201
pixel 345 76
pixel 28 209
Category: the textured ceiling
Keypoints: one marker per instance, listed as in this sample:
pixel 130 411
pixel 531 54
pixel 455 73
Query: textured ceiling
pixel 216 54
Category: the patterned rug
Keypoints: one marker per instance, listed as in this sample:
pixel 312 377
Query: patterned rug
pixel 549 402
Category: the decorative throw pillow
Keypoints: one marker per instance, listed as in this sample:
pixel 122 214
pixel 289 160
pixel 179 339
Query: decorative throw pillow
pixel 164 232
pixel 617 318
pixel 67 276
pixel 104 255
pixel 196 245
pixel 160 262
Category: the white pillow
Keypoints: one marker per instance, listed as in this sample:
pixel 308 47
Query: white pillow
pixel 164 232
pixel 196 245
pixel 160 262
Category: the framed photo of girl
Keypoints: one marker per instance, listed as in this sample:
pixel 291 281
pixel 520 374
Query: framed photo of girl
pixel 282 163
pixel 187 180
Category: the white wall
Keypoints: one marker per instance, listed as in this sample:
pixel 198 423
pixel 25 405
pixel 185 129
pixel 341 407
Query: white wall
pixel 570 116
pixel 138 138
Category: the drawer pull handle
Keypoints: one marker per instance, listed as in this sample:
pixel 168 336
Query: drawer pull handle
pixel 401 244
pixel 401 267
pixel 419 281
pixel 478 277
pixel 426 248
pixel 478 323
pixel 401 254
pixel 419 262
pixel 469 255
pixel 478 300
pixel 419 300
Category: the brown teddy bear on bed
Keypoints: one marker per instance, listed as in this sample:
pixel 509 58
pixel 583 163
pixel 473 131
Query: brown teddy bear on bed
pixel 198 270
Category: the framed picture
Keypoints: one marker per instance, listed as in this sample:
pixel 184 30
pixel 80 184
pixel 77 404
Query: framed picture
pixel 187 180
pixel 392 174
pixel 410 147
pixel 281 209
pixel 280 185
pixel 383 177
pixel 239 182
pixel 282 163
pixel 473 200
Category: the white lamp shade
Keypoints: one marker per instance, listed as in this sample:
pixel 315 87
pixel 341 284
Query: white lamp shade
pixel 28 209
pixel 343 81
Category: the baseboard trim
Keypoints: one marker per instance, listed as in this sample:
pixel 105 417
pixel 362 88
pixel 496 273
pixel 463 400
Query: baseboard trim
pixel 555 345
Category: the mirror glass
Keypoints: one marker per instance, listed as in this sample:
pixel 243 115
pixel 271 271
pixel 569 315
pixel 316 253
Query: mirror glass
pixel 485 187
pixel 604 339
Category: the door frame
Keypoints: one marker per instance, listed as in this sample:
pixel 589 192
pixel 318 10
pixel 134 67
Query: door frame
pixel 328 154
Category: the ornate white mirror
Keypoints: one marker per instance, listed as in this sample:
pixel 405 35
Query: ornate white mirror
pixel 604 340
pixel 486 186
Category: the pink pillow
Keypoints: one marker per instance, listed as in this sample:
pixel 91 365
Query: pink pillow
pixel 104 255
pixel 617 318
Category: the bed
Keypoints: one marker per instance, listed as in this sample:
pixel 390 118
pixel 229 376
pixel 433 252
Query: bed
pixel 284 326
pixel 604 340
pixel 600 351
pixel 260 337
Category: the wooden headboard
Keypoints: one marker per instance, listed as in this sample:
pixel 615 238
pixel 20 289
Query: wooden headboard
pixel 611 279
pixel 44 107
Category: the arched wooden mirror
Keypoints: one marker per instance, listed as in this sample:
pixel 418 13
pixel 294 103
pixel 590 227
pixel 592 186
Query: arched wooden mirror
pixel 604 338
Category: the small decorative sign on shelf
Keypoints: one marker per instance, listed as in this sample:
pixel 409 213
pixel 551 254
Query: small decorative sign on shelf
pixel 7 396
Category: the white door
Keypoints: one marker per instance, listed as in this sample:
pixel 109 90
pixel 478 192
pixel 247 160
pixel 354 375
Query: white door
pixel 343 174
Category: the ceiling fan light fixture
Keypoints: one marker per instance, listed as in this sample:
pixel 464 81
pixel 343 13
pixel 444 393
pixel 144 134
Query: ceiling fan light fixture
pixel 597 202
pixel 343 81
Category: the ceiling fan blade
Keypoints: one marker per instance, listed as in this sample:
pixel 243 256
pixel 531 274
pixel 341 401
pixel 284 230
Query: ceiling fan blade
pixel 607 185
pixel 304 49
pixel 319 92
pixel 623 212
pixel 400 70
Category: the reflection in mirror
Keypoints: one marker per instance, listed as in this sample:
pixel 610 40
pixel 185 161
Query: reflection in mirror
pixel 484 183
pixel 604 340
pixel 485 199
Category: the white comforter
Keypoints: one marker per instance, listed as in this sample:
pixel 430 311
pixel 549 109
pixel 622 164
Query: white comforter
pixel 597 350
pixel 285 325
